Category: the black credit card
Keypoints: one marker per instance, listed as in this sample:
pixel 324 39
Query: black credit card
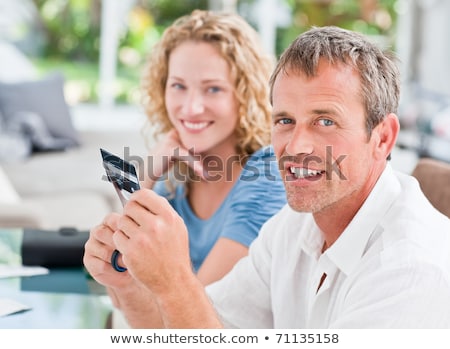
pixel 122 174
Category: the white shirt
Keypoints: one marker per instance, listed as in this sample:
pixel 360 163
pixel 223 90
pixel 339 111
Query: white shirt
pixel 390 268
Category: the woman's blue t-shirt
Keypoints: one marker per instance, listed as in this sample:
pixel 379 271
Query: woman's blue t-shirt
pixel 256 196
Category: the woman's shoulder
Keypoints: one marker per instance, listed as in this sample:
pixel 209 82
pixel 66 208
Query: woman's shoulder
pixel 263 153
pixel 175 191
pixel 260 192
pixel 262 165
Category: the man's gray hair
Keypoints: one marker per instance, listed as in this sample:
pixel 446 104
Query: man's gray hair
pixel 380 77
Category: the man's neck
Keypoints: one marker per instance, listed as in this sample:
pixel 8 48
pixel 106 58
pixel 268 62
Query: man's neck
pixel 334 219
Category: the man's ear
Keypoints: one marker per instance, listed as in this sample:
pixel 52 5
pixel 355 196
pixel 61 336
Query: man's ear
pixel 385 134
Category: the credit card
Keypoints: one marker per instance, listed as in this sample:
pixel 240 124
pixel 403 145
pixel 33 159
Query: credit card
pixel 122 174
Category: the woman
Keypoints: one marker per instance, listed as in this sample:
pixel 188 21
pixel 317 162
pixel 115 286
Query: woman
pixel 206 97
pixel 206 92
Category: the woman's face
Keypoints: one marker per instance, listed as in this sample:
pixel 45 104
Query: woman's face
pixel 200 98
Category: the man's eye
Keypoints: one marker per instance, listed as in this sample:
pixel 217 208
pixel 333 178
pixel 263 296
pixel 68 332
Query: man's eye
pixel 325 122
pixel 284 121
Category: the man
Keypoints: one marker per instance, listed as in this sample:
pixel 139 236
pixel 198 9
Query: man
pixel 357 246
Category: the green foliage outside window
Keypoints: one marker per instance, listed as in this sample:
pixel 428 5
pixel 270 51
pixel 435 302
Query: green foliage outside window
pixel 71 32
pixel 373 17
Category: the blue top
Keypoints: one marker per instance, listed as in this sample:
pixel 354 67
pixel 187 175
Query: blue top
pixel 255 197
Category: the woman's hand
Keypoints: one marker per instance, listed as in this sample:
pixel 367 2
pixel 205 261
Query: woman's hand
pixel 161 159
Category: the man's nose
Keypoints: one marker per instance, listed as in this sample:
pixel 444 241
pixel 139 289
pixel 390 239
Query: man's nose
pixel 300 141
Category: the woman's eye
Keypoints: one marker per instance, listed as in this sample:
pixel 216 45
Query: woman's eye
pixel 214 89
pixel 325 122
pixel 178 86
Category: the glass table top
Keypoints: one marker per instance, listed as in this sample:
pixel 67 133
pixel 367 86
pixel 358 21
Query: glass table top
pixel 65 298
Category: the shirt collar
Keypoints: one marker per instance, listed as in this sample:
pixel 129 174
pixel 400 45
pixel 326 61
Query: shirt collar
pixel 351 245
pixel 311 238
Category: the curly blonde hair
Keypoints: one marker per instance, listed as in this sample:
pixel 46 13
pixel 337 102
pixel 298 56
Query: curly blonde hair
pixel 239 45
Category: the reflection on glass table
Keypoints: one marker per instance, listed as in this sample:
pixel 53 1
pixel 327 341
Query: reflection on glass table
pixel 64 298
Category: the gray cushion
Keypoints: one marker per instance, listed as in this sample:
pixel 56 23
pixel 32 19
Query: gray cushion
pixel 13 147
pixel 44 97
pixel 32 127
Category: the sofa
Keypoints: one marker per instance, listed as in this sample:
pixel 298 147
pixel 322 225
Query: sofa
pixel 65 188
pixel 51 173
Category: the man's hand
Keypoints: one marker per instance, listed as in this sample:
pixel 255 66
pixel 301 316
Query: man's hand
pixel 153 240
pixel 97 254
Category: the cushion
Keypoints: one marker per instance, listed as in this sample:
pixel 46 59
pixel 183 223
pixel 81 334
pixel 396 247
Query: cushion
pixel 14 147
pixel 32 127
pixel 434 179
pixel 44 97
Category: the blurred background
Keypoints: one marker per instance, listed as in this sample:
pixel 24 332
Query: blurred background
pixel 99 47
pixel 89 39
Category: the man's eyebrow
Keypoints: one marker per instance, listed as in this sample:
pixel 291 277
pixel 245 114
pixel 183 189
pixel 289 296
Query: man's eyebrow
pixel 280 113
pixel 321 111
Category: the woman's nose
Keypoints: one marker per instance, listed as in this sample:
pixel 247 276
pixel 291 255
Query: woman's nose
pixel 193 104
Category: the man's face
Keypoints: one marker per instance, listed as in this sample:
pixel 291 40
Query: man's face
pixel 320 139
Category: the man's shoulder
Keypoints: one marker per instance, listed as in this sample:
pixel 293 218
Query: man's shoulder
pixel 414 229
pixel 413 206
